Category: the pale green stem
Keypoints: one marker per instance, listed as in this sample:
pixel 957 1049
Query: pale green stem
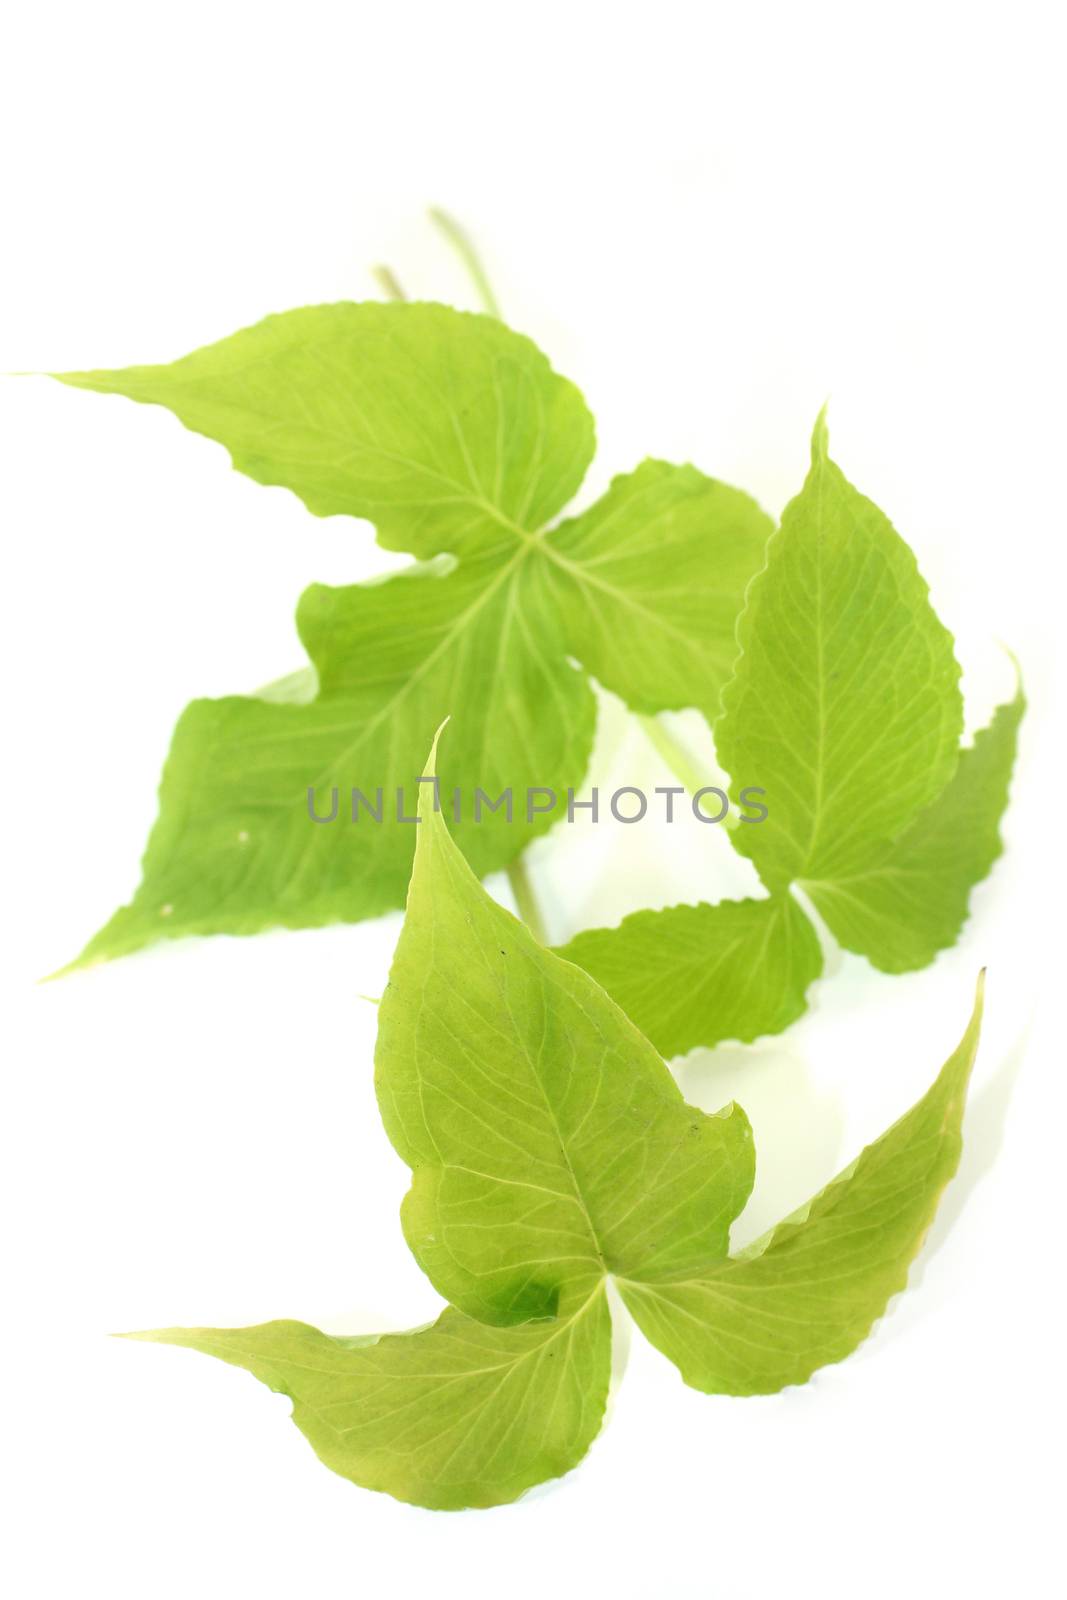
pixel 464 248
pixel 526 900
pixel 681 763
pixel 389 282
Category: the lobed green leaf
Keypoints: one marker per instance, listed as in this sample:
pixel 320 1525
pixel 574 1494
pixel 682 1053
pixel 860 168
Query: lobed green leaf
pixel 456 438
pixel 844 706
pixel 550 1150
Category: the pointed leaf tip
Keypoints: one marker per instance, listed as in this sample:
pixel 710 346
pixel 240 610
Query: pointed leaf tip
pixel 429 802
pixel 431 763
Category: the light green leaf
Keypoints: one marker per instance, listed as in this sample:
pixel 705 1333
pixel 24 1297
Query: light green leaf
pixel 631 579
pixel 810 1291
pixel 912 902
pixel 457 1414
pixel 442 427
pixel 235 848
pixel 549 1145
pixel 696 975
pixel 457 439
pixel 845 703
pixel 551 1149
pixel 844 709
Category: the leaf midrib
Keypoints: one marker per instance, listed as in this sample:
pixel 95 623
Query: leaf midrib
pixel 458 627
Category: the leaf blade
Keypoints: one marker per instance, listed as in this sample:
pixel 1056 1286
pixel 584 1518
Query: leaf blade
pixel 809 1292
pixel 548 1143
pixel 443 428
pixel 451 1416
pixel 697 975
pixel 650 580
pixel 234 849
pixel 844 704
pixel 913 902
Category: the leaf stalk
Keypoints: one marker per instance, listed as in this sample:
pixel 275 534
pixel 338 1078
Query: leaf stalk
pixel 462 244
pixel 680 762
pixel 526 900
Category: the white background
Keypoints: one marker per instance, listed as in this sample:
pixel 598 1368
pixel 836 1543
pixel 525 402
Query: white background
pixel 712 218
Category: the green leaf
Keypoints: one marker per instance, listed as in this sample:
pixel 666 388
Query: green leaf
pixel 912 901
pixel 696 975
pixel 845 702
pixel 549 1145
pixel 550 1149
pixel 442 427
pixel 235 848
pixel 810 1291
pixel 844 708
pixel 456 437
pixel 457 1414
pixel 631 579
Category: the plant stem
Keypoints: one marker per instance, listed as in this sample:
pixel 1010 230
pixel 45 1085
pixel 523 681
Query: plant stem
pixel 680 762
pixel 464 248
pixel 389 282
pixel 526 900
